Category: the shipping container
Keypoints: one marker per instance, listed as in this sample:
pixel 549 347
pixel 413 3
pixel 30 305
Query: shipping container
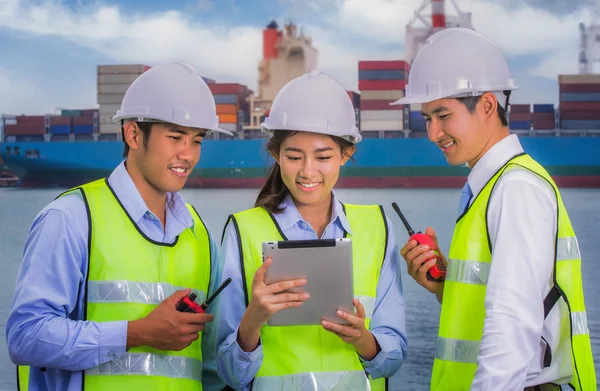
pixel 109 128
pixel 415 107
pixel 518 117
pixel 59 120
pixel 109 136
pixel 520 108
pixel 70 113
pixel 60 138
pixel 109 108
pixel 85 120
pixel 393 134
pixel 520 125
pixel 355 98
pixel 117 79
pixel 228 118
pixel 579 115
pixel 580 124
pixel 381 85
pixel 31 120
pixel 543 124
pixel 369 125
pixel 83 129
pixel 229 127
pixel 228 89
pixel 90 112
pixel 379 105
pixel 24 129
pixel 226 99
pixel 370 134
pixel 394 64
pixel 382 74
pixel 382 94
pixel 112 99
pixel 382 115
pixel 60 129
pixel 579 79
pixel 580 97
pixel 122 69
pixel 227 109
pixel 543 108
pixel 581 106
pixel 111 89
pixel 107 119
pixel 579 87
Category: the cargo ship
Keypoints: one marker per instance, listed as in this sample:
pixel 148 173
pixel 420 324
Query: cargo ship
pixel 71 147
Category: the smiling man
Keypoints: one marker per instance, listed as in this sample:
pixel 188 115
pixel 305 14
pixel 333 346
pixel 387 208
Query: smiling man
pixel 106 263
pixel 513 312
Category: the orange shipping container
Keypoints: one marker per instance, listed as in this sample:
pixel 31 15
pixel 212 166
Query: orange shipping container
pixel 228 118
pixel 227 109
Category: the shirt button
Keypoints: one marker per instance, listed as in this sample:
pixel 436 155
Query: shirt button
pixel 304 225
pixel 112 355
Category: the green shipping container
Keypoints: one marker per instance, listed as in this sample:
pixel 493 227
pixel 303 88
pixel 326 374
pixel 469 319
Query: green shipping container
pixel 71 113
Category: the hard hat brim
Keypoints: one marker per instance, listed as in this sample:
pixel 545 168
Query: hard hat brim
pixel 124 117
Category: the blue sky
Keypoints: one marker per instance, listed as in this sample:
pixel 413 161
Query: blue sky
pixel 49 49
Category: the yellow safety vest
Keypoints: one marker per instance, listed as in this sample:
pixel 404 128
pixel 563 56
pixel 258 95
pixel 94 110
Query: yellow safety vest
pixel 463 313
pixel 309 357
pixel 128 276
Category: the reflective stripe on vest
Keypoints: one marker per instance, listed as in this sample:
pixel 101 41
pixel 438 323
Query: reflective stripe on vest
pixel 309 358
pixel 322 381
pixel 128 276
pixel 463 312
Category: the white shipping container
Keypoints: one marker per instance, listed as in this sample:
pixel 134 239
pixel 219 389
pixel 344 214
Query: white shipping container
pixel 109 128
pixel 137 69
pixel 107 118
pixel 382 115
pixel 381 125
pixel 110 99
pixel 230 127
pixel 117 79
pixel 109 109
pixel 579 79
pixel 110 89
pixel 381 94
pixel 415 106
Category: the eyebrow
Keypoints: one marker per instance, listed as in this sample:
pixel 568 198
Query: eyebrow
pixel 436 111
pixel 324 149
pixel 201 133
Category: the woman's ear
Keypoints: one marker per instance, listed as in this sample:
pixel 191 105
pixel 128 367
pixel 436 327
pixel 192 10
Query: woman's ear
pixel 276 157
pixel 347 154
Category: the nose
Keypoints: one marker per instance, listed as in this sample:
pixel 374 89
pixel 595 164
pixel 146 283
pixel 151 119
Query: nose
pixel 434 130
pixel 189 150
pixel 308 168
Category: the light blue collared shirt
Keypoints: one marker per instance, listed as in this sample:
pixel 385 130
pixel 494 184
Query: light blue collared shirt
pixel 44 329
pixel 388 323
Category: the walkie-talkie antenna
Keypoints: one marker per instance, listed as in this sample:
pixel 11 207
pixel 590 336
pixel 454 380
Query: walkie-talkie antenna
pixel 408 227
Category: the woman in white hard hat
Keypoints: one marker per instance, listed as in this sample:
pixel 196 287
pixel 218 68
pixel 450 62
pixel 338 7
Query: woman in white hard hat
pixel 313 134
pixel 513 313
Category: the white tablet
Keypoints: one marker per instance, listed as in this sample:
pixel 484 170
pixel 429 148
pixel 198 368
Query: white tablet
pixel 327 266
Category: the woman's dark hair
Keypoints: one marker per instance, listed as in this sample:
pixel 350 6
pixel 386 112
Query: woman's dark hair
pixel 274 191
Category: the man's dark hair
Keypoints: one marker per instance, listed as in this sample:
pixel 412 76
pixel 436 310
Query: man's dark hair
pixel 471 103
pixel 145 128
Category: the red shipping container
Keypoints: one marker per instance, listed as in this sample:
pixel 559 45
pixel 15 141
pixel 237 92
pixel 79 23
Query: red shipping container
pixel 542 116
pixel 543 124
pixel 228 88
pixel 580 114
pixel 377 65
pixel 90 112
pixel 382 85
pixel 520 108
pixel 579 106
pixel 379 105
pixel 24 130
pixel 33 120
pixel 59 120
pixel 516 116
pixel 579 87
pixel 83 120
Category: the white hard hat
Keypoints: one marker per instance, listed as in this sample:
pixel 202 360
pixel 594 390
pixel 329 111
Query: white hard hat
pixel 172 92
pixel 313 102
pixel 454 63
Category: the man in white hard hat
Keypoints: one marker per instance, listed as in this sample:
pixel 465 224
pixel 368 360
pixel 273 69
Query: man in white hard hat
pixel 106 263
pixel 513 312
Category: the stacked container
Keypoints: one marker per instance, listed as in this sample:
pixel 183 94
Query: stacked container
pixel 579 101
pixel 520 117
pixel 543 117
pixel 27 128
pixel 355 98
pixel 381 83
pixel 232 105
pixel 113 82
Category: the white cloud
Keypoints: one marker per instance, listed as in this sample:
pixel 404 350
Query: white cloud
pixel 22 89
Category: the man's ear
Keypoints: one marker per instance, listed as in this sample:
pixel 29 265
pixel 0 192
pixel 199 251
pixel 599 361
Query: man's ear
pixel 132 134
pixel 488 105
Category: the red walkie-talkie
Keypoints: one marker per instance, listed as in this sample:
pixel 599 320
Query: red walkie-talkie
pixel 187 304
pixel 438 271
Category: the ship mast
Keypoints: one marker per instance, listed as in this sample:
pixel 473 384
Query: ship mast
pixel 589 47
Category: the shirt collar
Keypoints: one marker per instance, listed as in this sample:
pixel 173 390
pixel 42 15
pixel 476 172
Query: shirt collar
pixel 131 199
pixel 492 161
pixel 291 216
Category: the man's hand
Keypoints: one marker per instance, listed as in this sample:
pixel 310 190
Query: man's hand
pixel 416 262
pixel 165 328
pixel 356 334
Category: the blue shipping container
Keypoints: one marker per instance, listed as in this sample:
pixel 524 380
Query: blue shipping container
pixel 60 129
pixel 83 129
pixel 580 124
pixel 543 108
pixel 222 99
pixel 580 97
pixel 381 74
pixel 520 125
pixel 416 116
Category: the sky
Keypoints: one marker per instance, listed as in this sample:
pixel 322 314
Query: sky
pixel 50 49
